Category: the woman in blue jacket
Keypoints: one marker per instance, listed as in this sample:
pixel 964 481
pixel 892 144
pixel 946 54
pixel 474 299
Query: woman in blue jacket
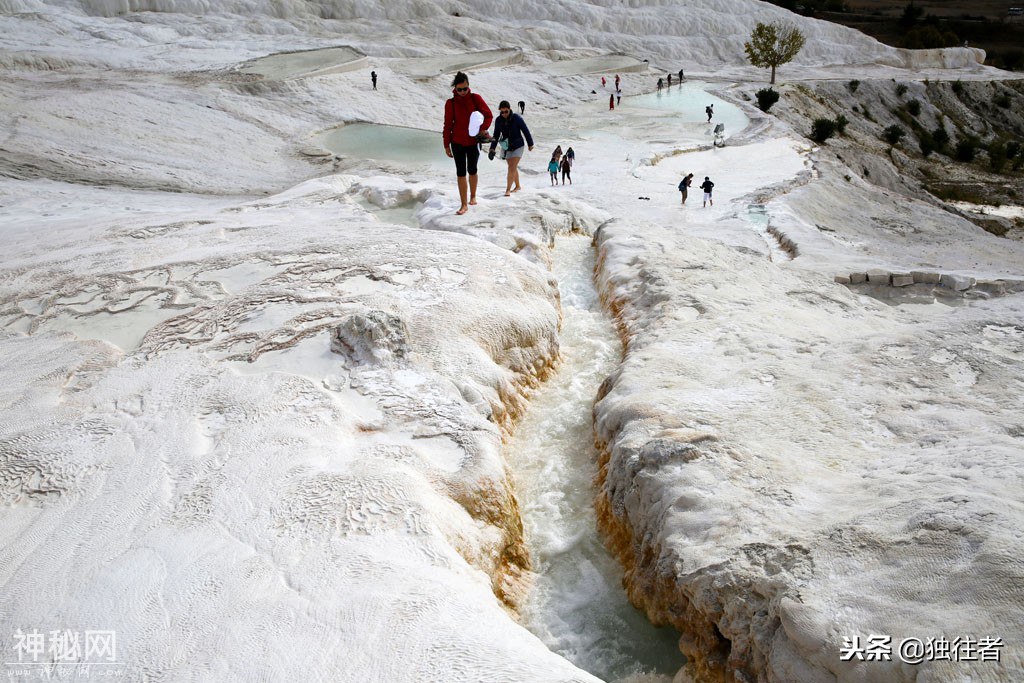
pixel 510 129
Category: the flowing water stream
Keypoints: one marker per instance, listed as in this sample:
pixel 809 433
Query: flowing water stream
pixel 578 606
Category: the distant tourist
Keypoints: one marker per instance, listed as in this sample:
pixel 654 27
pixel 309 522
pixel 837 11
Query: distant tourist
pixel 618 96
pixel 553 170
pixel 460 140
pixel 566 170
pixel 710 111
pixel 602 81
pixel 670 80
pixel 616 81
pixel 611 101
pixel 684 186
pixel 571 156
pixel 509 131
pixel 557 154
pixel 661 84
pixel 522 107
pixel 373 79
pixel 707 186
pixel 680 75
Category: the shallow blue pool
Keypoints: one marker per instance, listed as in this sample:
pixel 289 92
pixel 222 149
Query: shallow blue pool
pixel 386 143
pixel 689 99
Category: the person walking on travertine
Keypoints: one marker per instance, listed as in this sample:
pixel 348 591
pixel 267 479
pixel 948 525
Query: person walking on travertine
pixel 553 170
pixel 509 131
pixel 460 140
pixel 373 79
pixel 710 111
pixel 707 186
pixel 566 170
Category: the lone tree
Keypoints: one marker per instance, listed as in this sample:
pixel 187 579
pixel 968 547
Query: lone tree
pixel 773 44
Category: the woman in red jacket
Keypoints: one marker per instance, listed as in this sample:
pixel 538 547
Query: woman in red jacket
pixel 458 143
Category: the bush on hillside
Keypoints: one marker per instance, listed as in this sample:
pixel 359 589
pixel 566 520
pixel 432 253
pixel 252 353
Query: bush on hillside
pixel 926 141
pixel 997 156
pixel 841 123
pixel 766 97
pixel 822 129
pixel 914 107
pixel 929 37
pixel 966 149
pixel 893 134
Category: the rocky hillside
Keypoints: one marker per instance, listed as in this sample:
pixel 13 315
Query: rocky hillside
pixel 944 141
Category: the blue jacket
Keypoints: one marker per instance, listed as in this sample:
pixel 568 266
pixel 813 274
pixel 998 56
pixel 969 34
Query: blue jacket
pixel 513 130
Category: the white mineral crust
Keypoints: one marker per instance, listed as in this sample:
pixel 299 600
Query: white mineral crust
pixel 255 396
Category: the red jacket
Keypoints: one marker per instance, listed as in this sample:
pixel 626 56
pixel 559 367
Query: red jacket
pixel 456 118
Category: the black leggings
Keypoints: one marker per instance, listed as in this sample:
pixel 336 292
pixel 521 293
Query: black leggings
pixel 465 159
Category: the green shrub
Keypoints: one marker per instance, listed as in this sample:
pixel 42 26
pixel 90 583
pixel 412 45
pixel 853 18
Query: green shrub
pixel 926 142
pixel 911 15
pixel 841 123
pixel 853 85
pixel 958 87
pixel 893 134
pixel 1012 149
pixel 997 156
pixel 822 129
pixel 1011 60
pixel 1002 101
pixel 966 149
pixel 929 37
pixel 766 97
pixel 941 137
pixel 914 107
pixel 901 89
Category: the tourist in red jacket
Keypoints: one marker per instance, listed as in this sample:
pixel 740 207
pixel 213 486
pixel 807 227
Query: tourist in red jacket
pixel 459 144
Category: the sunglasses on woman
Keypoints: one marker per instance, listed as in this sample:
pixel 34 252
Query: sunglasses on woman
pixel 464 89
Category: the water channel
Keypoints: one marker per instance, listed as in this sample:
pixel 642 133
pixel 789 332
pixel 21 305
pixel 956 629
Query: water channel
pixel 578 606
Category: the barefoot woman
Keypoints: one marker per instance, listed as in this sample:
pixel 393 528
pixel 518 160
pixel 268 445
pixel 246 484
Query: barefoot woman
pixel 509 130
pixel 458 143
